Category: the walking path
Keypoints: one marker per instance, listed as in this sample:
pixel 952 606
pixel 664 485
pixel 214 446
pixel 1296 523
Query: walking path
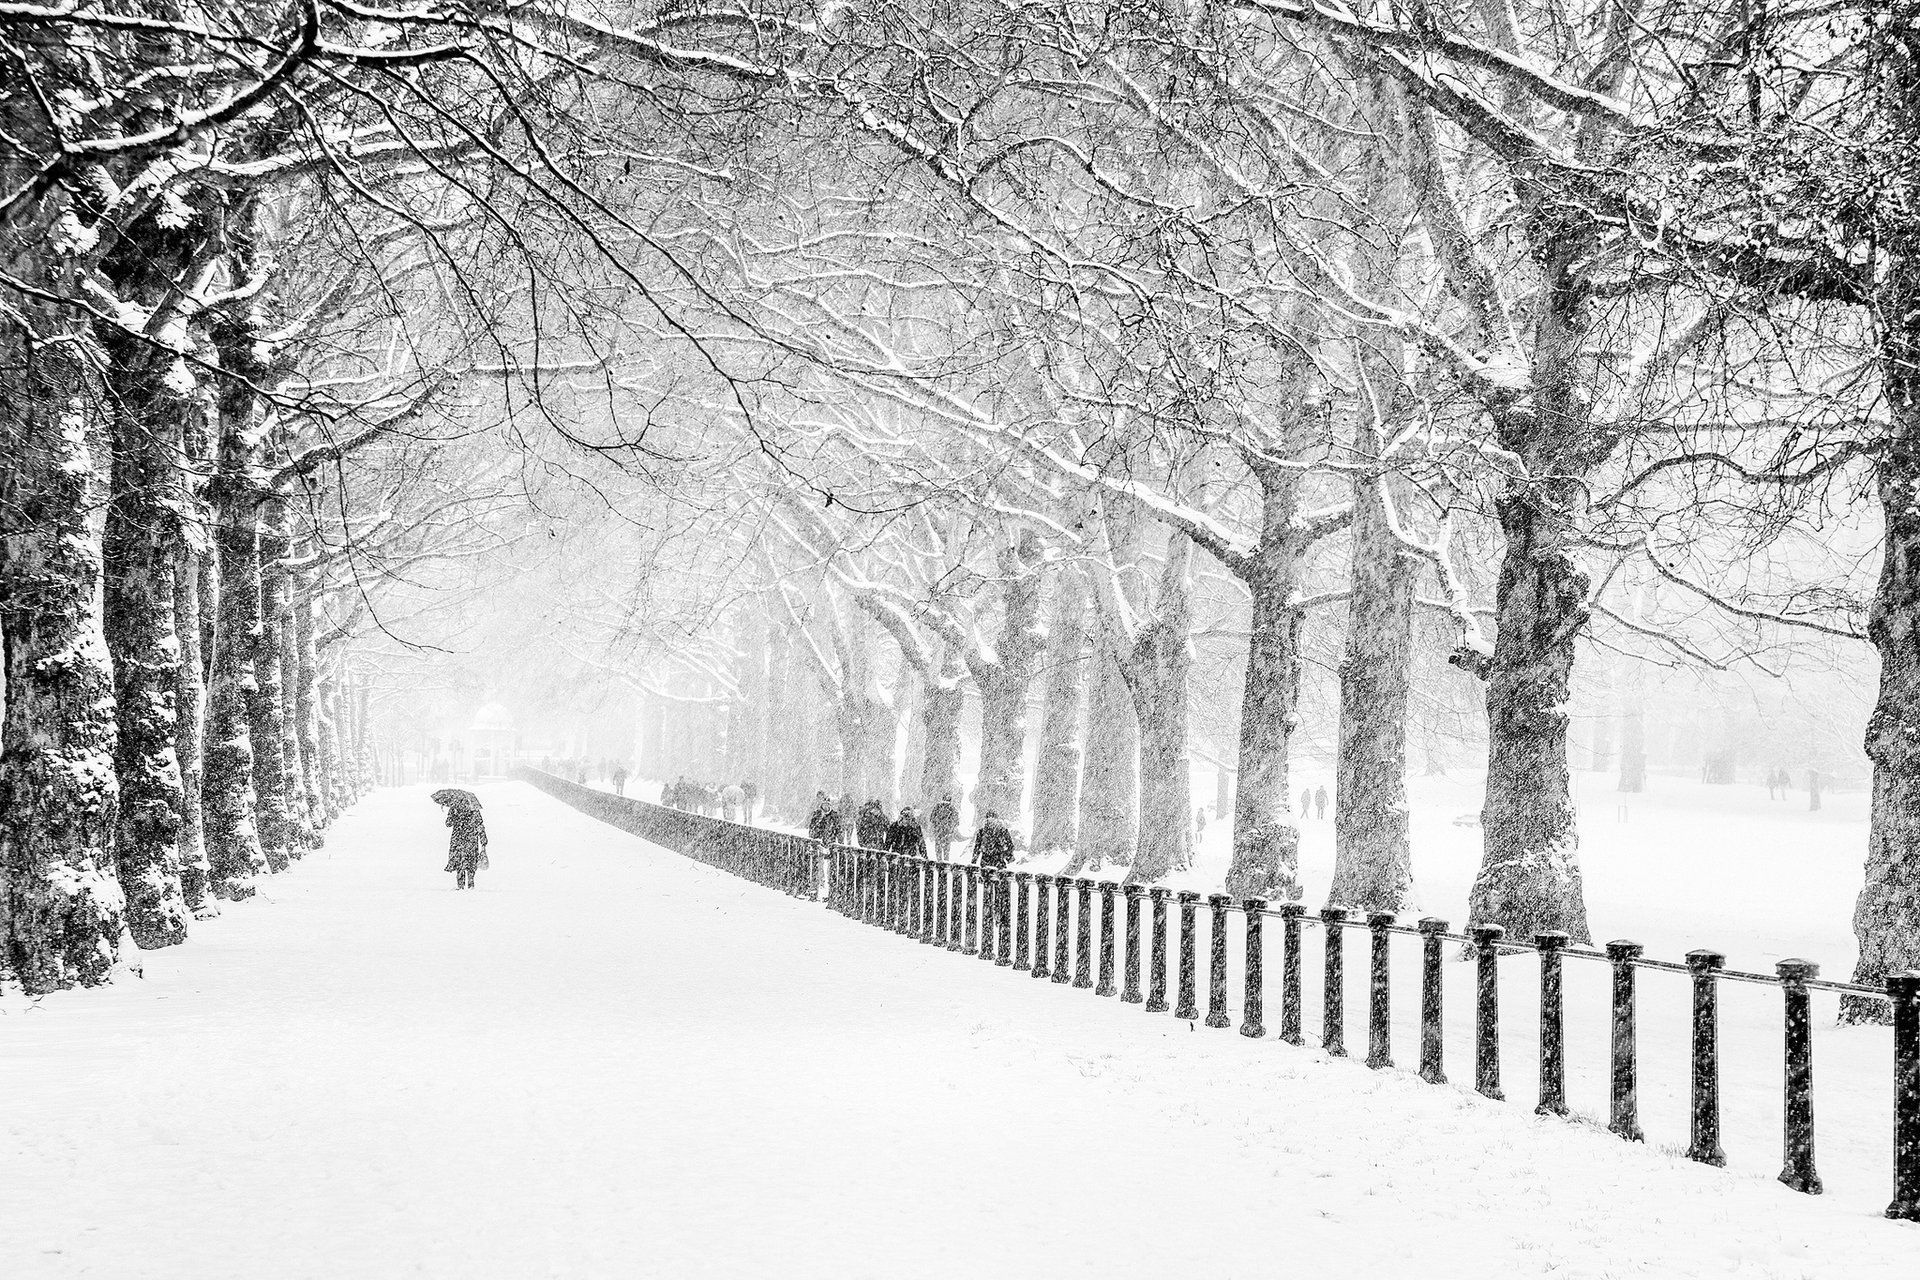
pixel 610 1061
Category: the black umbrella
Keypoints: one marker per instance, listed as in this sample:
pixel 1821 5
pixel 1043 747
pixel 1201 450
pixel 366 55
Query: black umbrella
pixel 456 797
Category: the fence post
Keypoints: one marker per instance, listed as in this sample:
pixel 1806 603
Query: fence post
pixel 941 872
pixel 1003 918
pixel 1217 961
pixel 1021 954
pixel 1083 938
pixel 1041 920
pixel 1157 958
pixel 957 922
pixel 1904 990
pixel 1107 890
pixel 1486 1027
pixel 1253 1001
pixel 1625 1120
pixel 1290 913
pixel 1553 1023
pixel 1433 1049
pixel 987 905
pixel 1130 993
pixel 1062 928
pixel 1705 1144
pixel 929 918
pixel 1380 992
pixel 1187 1007
pixel 1333 986
pixel 1798 1171
pixel 970 942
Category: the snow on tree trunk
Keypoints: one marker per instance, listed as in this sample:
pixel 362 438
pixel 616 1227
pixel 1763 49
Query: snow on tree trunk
pixel 189 702
pixel 1373 858
pixel 1109 819
pixel 1529 878
pixel 941 702
pixel 1004 684
pixel 1157 668
pixel 327 725
pixel 1056 775
pixel 62 912
pixel 306 703
pixel 865 721
pixel 279 837
pixel 299 815
pixel 227 796
pixel 1266 843
pixel 363 772
pixel 140 546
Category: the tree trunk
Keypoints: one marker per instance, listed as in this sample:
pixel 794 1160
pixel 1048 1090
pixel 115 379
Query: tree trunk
pixel 189 702
pixel 299 814
pixel 1004 684
pixel 1529 879
pixel 141 544
pixel 1373 856
pixel 1266 842
pixel 1157 670
pixel 1056 778
pixel 327 724
pixel 62 912
pixel 1110 781
pixel 306 704
pixel 941 703
pixel 279 838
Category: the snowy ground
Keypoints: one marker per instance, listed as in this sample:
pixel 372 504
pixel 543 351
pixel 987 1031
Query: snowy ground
pixel 610 1061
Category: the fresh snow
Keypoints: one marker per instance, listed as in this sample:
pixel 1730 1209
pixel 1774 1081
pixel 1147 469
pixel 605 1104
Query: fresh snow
pixel 612 1061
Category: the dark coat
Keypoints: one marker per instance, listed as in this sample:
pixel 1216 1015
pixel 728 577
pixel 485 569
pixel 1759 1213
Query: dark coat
pixel 468 845
pixel 943 819
pixel 823 824
pixel 905 837
pixel 993 844
pixel 871 825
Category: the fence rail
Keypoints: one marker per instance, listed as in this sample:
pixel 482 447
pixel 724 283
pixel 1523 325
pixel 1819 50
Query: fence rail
pixel 1044 926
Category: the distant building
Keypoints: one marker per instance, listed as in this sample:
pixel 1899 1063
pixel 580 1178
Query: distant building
pixel 494 742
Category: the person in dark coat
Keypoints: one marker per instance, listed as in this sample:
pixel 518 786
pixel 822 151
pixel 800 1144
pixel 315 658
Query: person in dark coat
pixel 1306 802
pixel 1320 802
pixel 943 820
pixel 823 824
pixel 871 825
pixel 751 790
pixel 993 843
pixel 467 848
pixel 619 779
pixel 904 835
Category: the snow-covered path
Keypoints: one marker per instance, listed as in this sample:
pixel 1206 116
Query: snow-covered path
pixel 611 1061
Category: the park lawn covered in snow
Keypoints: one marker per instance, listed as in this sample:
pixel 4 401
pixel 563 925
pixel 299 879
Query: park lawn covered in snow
pixel 611 1061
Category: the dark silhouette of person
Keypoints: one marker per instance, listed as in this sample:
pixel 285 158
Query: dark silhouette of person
pixel 904 835
pixel 823 824
pixel 943 820
pixel 619 779
pixel 467 847
pixel 1306 802
pixel 1320 802
pixel 870 825
pixel 993 843
pixel 751 790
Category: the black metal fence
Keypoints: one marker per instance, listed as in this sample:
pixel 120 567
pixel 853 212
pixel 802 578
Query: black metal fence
pixel 1044 926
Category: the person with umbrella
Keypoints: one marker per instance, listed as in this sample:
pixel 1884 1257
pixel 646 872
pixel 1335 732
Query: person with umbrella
pixel 467 848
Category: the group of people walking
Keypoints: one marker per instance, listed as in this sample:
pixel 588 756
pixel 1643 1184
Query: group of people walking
pixel 733 801
pixel 843 821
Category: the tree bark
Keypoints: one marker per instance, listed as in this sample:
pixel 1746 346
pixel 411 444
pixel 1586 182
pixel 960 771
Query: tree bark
pixel 1110 781
pixel 1529 878
pixel 1157 667
pixel 941 702
pixel 1004 683
pixel 306 703
pixel 1266 842
pixel 1373 855
pixel 1056 777
pixel 189 702
pixel 279 837
pixel 62 911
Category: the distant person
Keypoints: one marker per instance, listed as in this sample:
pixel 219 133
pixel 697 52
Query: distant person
pixel 904 835
pixel 751 790
pixel 1199 824
pixel 870 825
pixel 1813 789
pixel 1306 802
pixel 620 780
pixel 732 801
pixel 823 824
pixel 943 820
pixel 1320 802
pixel 467 847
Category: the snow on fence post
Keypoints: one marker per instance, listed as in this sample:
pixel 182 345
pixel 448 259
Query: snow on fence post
pixel 1003 919
pixel 1021 953
pixel 1062 927
pixel 1290 913
pixel 1904 990
pixel 1106 987
pixel 1083 939
pixel 1333 986
pixel 1432 1007
pixel 1130 993
pixel 1486 1029
pixel 1253 999
pixel 970 882
pixel 1157 967
pixel 1798 1171
pixel 1625 1092
pixel 1380 992
pixel 1042 922
pixel 1553 1024
pixel 1705 1119
pixel 1217 961
pixel 1187 1007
